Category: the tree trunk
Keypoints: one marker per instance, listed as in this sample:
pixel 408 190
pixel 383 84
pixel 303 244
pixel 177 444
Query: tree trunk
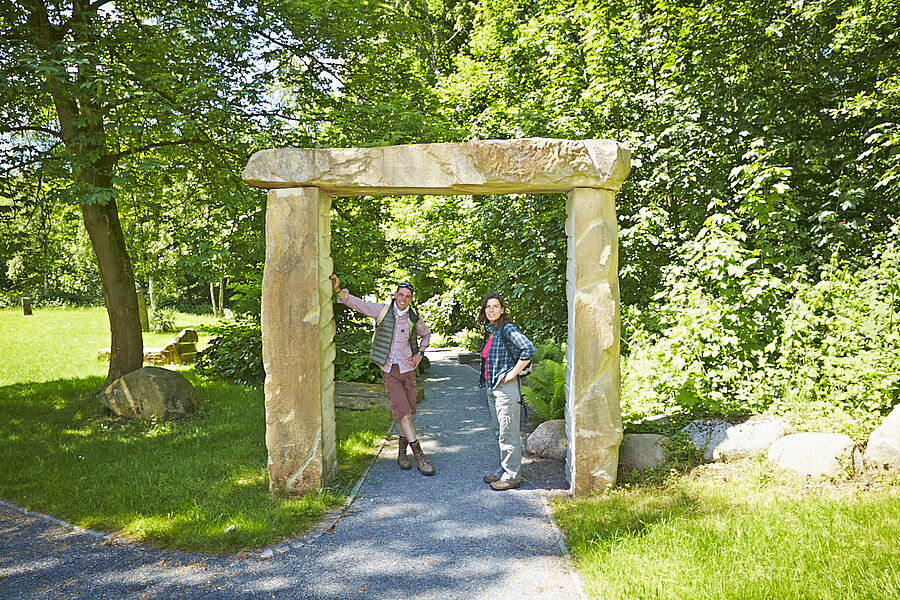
pixel 212 298
pixel 82 132
pixel 127 343
pixel 152 294
pixel 222 297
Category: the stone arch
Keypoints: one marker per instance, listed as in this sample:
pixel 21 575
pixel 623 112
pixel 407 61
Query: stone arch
pixel 297 315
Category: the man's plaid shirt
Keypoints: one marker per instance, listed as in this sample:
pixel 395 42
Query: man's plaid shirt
pixel 498 359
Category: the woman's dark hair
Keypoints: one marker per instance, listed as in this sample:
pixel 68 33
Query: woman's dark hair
pixel 482 317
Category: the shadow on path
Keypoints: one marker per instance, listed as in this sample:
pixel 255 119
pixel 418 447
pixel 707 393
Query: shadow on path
pixel 406 536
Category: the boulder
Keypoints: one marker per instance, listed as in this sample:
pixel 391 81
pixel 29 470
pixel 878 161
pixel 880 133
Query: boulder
pixel 150 392
pixel 720 439
pixel 752 437
pixel 641 451
pixel 548 440
pixel 816 454
pixel 706 434
pixel 883 447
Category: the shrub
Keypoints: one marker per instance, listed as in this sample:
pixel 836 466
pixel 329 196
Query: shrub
pixel 351 363
pixel 548 350
pixel 469 339
pixel 162 320
pixel 546 394
pixel 839 353
pixel 234 355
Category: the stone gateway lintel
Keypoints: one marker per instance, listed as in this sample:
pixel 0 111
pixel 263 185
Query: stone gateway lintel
pixel 529 165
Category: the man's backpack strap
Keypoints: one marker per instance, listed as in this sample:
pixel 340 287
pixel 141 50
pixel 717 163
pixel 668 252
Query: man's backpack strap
pixel 384 310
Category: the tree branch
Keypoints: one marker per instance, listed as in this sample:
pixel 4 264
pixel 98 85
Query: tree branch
pixel 125 153
pixel 30 128
pixel 40 158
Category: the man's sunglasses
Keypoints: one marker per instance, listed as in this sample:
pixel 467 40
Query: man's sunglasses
pixel 406 284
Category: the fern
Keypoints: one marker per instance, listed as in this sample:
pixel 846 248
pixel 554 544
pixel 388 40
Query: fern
pixel 547 394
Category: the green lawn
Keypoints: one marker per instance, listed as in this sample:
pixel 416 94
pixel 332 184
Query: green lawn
pixel 740 531
pixel 57 343
pixel 175 484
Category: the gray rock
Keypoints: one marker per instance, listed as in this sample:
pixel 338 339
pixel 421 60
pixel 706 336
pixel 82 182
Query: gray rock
pixel 753 436
pixel 150 392
pixel 720 439
pixel 548 440
pixel 706 434
pixel 883 447
pixel 816 454
pixel 641 451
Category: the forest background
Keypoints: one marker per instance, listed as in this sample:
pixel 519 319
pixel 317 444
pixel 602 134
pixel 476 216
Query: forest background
pixel 759 242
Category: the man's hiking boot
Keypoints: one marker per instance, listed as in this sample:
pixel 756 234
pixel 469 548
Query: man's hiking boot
pixel 490 478
pixel 421 463
pixel 401 455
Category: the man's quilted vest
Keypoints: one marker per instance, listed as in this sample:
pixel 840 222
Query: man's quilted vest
pixel 384 334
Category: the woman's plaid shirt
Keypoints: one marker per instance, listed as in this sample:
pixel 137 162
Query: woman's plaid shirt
pixel 498 359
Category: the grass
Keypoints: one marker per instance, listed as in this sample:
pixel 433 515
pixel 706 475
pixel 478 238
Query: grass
pixel 199 484
pixel 56 343
pixel 740 530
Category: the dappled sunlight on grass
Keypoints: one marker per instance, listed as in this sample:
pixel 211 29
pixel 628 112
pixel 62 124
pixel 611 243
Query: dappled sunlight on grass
pixel 740 530
pixel 177 484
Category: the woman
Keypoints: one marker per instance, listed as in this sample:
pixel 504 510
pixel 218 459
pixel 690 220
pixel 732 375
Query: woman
pixel 506 351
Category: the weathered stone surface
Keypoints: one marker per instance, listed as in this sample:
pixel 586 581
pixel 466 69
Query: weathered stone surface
pixel 150 392
pixel 478 167
pixel 816 454
pixel 641 451
pixel 594 425
pixel 721 439
pixel 548 440
pixel 299 409
pixel 883 447
pixel 706 434
pixel 358 396
pixel 753 436
pixel 180 351
pixel 469 358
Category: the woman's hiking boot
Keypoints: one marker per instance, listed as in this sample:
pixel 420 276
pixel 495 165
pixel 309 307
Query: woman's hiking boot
pixel 401 455
pixel 421 463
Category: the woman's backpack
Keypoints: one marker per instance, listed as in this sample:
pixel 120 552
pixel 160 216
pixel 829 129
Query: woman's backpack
pixel 529 367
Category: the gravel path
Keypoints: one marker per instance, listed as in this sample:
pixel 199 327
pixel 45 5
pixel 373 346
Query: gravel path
pixel 406 536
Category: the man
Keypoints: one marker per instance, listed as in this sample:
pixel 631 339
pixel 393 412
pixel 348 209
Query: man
pixel 396 349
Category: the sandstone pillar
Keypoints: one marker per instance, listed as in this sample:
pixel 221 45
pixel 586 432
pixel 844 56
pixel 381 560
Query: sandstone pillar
pixel 593 415
pixel 298 345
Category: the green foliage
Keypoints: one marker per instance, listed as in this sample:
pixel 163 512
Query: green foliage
pixel 352 360
pixel 548 350
pixel 235 355
pixel 546 391
pixel 839 351
pixel 162 320
pixel 701 347
pixel 821 349
pixel 469 339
